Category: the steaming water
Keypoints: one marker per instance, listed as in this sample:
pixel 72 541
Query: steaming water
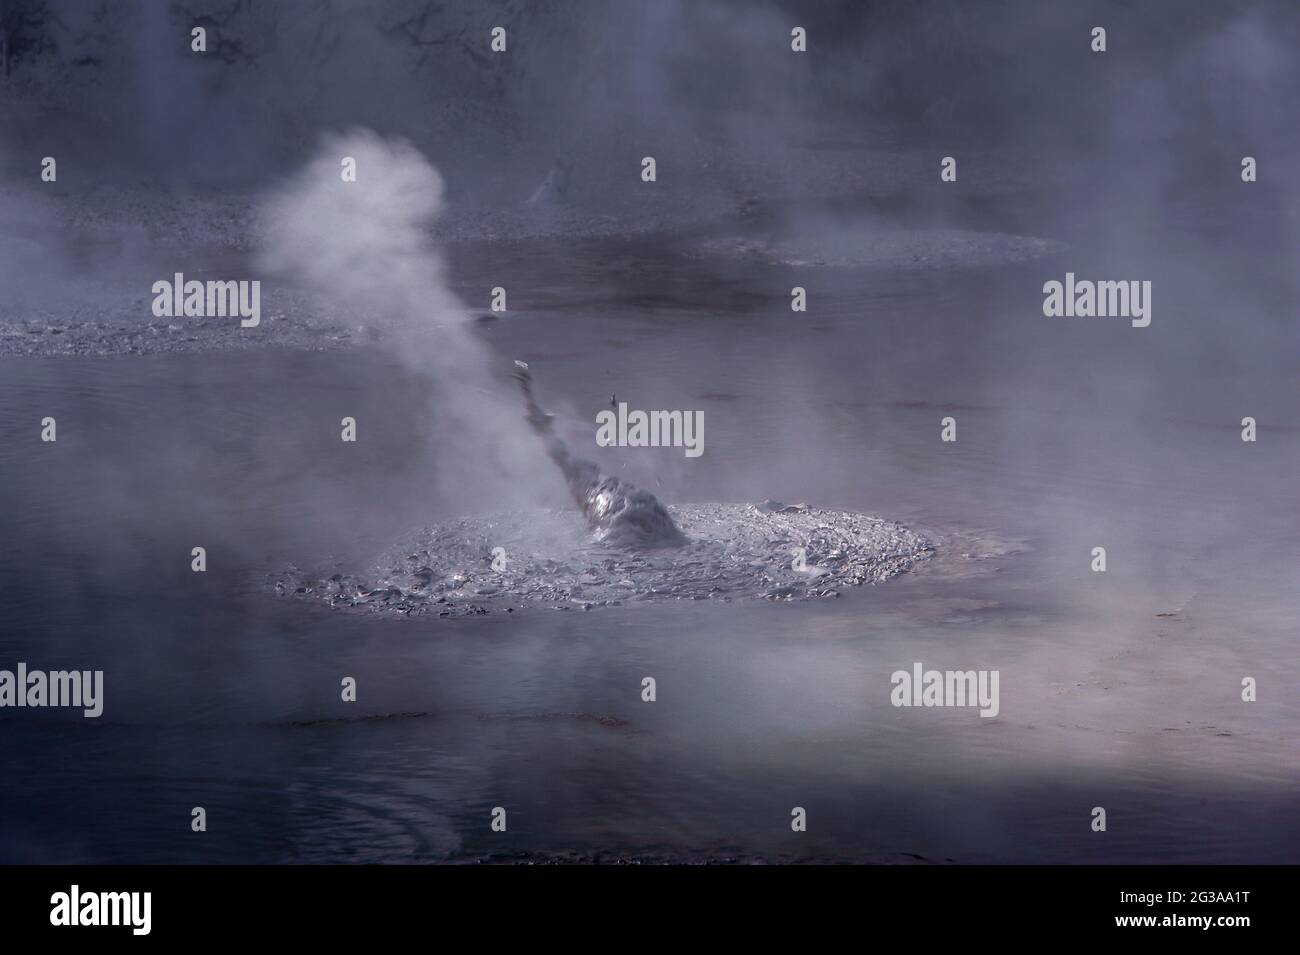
pixel 1117 689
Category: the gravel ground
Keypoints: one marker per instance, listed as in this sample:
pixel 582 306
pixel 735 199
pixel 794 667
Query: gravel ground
pixel 88 254
pixel 736 551
pixel 123 324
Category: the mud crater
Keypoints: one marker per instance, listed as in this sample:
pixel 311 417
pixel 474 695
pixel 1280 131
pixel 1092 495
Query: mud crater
pixel 503 562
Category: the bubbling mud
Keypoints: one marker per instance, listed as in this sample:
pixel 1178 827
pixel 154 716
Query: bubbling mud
pixel 618 511
pixel 634 548
pixel 504 562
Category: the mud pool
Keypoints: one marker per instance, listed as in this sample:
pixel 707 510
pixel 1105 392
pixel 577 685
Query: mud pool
pixel 772 551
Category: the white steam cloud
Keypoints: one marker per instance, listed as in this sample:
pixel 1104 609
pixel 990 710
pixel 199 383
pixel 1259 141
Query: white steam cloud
pixel 366 245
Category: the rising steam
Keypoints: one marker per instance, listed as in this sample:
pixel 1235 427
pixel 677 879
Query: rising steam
pixel 366 245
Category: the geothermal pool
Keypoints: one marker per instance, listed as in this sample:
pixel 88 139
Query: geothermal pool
pixel 221 693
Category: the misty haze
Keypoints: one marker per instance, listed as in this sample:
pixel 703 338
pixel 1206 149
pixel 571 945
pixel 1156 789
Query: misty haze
pixel 906 390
